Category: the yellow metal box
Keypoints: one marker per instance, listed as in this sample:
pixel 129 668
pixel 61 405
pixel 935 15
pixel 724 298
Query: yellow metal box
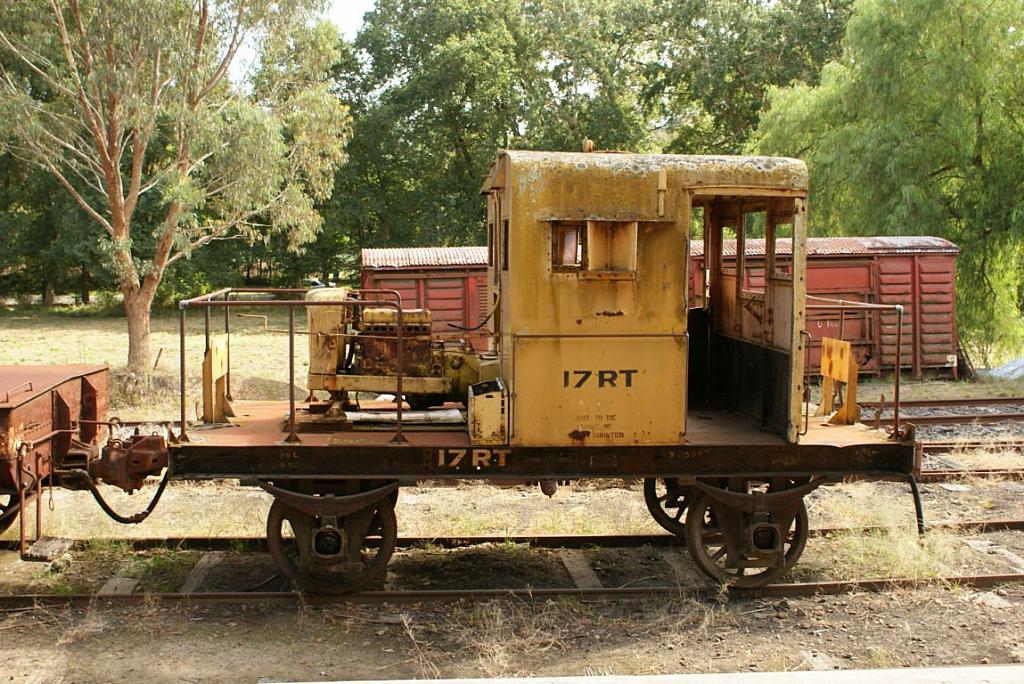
pixel 488 413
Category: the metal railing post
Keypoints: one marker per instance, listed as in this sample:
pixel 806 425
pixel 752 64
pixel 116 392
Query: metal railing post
pixel 292 436
pixel 899 363
pixel 227 334
pixel 182 435
pixel 21 503
pixel 842 305
pixel 399 438
pixel 39 496
pixel 206 328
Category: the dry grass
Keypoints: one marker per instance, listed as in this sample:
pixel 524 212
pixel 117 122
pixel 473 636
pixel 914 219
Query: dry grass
pixel 869 390
pixel 861 504
pixel 259 360
pixel 478 508
pixel 988 457
pixel 895 551
pixel 186 509
pixel 512 638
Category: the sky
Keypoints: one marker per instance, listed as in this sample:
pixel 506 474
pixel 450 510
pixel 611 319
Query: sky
pixel 347 15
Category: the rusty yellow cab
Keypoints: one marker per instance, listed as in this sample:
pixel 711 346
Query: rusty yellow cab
pixel 587 259
pixel 597 368
pixel 587 274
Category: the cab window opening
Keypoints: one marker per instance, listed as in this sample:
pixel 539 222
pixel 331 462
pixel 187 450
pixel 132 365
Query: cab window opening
pixel 594 247
pixel 504 245
pixel 755 224
pixel 567 246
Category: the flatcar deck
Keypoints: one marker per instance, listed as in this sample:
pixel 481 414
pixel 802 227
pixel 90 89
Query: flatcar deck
pixel 716 444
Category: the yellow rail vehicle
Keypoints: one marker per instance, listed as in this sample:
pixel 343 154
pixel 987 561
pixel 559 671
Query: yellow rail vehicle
pixel 597 369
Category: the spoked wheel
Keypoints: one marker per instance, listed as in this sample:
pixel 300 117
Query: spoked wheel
pixel 326 556
pixel 729 552
pixel 667 502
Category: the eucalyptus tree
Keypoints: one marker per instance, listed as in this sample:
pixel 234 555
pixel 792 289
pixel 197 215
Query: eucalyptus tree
pixel 436 86
pixel 131 108
pixel 918 129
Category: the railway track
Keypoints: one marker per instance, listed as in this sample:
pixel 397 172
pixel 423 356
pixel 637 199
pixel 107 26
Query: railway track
pixel 16 602
pixel 948 419
pixel 542 541
pixel 943 403
pixel 946 446
pixel 947 474
pixel 581 591
pixel 872 412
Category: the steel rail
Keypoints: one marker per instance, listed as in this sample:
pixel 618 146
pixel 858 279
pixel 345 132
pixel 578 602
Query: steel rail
pixel 949 419
pixel 938 403
pixel 378 597
pixel 940 447
pixel 540 541
pixel 947 474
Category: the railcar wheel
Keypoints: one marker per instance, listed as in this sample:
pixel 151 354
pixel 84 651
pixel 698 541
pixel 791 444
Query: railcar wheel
pixel 706 539
pixel 325 558
pixel 667 501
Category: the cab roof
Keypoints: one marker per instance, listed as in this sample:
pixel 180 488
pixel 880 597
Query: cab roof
pixel 712 171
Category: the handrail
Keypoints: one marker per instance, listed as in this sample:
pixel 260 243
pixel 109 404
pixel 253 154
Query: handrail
pixel 27 385
pixel 207 301
pixel 807 386
pixel 842 305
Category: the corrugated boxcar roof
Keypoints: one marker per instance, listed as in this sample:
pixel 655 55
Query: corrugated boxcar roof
pixel 844 246
pixel 451 257
pixel 411 257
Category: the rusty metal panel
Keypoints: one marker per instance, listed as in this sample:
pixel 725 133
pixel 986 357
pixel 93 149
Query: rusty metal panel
pixel 40 411
pixel 600 390
pixel 453 295
pixel 844 246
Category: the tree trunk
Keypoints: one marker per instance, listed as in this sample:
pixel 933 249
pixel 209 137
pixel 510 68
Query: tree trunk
pixel 84 286
pixel 49 298
pixel 137 308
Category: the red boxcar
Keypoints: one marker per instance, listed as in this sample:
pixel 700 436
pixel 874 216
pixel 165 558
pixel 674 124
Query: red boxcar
pixel 450 281
pixel 917 272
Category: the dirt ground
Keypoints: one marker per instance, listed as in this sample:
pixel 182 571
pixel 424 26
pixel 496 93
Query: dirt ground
pixel 928 626
pixel 507 637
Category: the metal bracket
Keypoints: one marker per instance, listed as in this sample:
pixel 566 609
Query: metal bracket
pixel 761 502
pixel 329 505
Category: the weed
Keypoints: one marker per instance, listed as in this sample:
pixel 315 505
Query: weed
pixel 429 546
pixel 896 552
pixel 160 570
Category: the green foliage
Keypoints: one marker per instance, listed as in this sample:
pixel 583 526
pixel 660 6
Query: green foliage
pixel 437 86
pixel 720 58
pixel 128 106
pixel 47 241
pixel 917 129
